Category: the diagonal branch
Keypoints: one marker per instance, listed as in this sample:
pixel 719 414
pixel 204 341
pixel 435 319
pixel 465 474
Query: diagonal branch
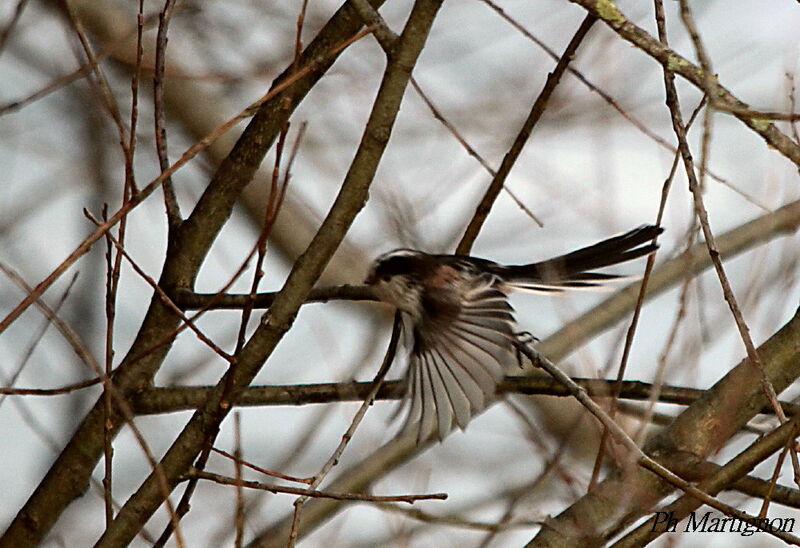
pixel 643 461
pixel 723 476
pixel 538 108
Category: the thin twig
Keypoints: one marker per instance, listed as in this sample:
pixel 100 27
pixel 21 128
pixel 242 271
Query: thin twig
pixel 456 521
pixel 170 199
pixel 238 521
pixel 73 339
pixel 11 379
pixel 637 310
pixel 311 493
pixel 471 150
pixel 261 470
pixel 538 108
pixel 89 359
pixel 667 58
pixel 702 214
pixel 271 211
pixel 112 279
pixel 723 476
pixel 387 39
pixel 189 322
pixel 388 359
pixel 109 102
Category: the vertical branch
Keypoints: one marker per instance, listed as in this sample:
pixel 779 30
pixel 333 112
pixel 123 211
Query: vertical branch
pixel 777 470
pixel 112 277
pixel 271 212
pixel 130 179
pixel 709 88
pixel 237 463
pixel 307 269
pixel 107 97
pixel 70 473
pixel 113 273
pixel 170 200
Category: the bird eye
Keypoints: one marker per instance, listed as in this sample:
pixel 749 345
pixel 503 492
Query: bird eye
pixel 386 278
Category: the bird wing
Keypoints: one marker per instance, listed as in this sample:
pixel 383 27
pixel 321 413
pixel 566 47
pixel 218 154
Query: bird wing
pixel 463 346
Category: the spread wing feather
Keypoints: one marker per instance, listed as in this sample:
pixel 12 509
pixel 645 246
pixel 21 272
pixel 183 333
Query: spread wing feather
pixel 460 355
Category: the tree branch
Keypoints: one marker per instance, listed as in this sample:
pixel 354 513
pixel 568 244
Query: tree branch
pixel 186 398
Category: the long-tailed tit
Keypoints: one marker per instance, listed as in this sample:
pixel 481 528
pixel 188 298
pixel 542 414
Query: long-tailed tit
pixel 464 334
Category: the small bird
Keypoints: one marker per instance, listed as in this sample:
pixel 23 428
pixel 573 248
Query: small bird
pixel 456 309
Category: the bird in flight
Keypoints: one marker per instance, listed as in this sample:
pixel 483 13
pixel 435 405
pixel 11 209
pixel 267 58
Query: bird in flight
pixel 462 326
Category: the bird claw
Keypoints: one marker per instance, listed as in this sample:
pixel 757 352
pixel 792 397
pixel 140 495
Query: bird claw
pixel 523 338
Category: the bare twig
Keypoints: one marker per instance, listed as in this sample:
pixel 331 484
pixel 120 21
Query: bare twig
pixel 638 124
pixel 669 59
pixel 319 477
pixel 725 475
pixel 109 102
pixel 456 521
pixel 11 379
pixel 261 470
pixel 189 322
pixel 312 493
pixel 170 199
pixel 306 271
pixel 629 335
pixel 702 215
pixel 73 339
pixel 238 521
pixel 538 108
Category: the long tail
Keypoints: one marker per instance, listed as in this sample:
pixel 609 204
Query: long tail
pixel 573 270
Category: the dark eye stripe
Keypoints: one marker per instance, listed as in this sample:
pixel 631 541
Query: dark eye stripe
pixel 394 266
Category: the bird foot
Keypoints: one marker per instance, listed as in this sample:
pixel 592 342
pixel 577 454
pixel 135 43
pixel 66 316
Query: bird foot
pixel 523 338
